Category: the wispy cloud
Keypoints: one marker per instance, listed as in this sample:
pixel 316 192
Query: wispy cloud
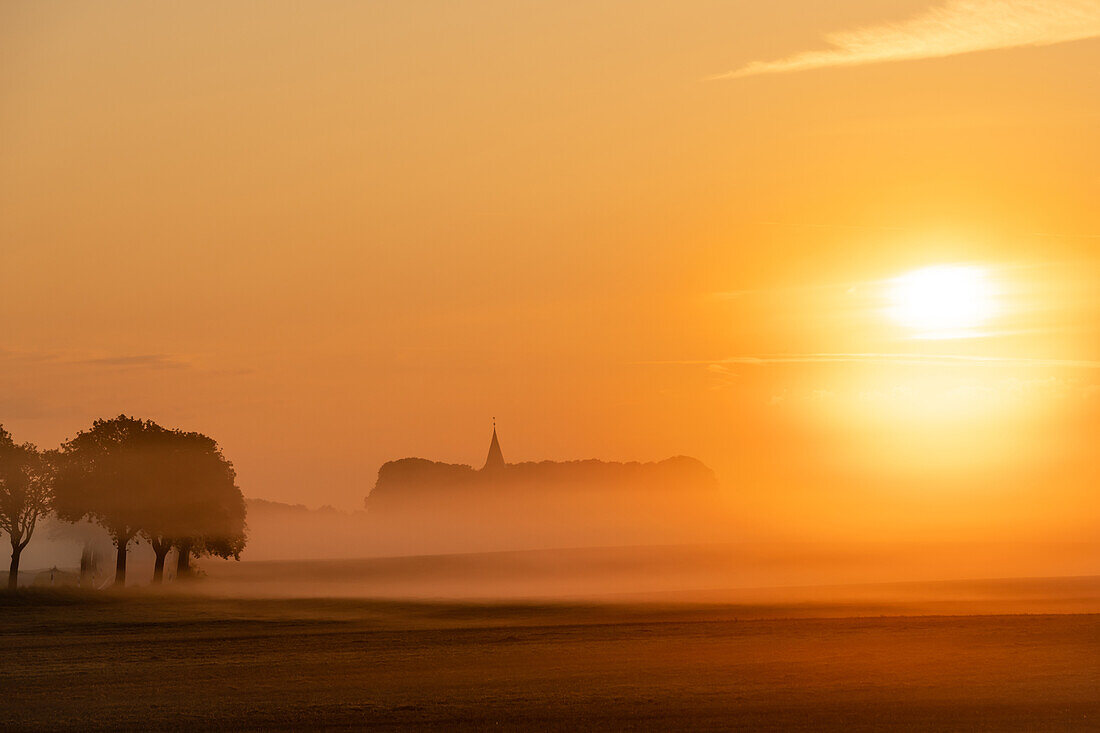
pixel 118 361
pixel 955 27
pixel 137 361
pixel 910 359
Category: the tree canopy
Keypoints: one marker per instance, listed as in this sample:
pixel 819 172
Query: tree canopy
pixel 108 474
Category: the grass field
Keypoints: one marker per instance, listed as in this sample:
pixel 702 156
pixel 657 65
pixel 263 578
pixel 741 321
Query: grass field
pixel 142 661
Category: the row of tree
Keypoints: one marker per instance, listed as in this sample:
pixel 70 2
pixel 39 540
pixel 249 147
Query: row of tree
pixel 134 478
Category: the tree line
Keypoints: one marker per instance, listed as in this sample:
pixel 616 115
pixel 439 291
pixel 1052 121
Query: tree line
pixel 137 480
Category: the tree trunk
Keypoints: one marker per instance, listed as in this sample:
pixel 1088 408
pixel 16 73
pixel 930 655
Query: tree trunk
pixel 183 563
pixel 158 567
pixel 120 562
pixel 13 571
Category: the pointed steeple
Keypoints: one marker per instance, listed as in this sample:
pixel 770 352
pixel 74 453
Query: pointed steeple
pixel 495 458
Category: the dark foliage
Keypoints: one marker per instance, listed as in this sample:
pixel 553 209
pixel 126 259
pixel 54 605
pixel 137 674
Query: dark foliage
pixel 26 495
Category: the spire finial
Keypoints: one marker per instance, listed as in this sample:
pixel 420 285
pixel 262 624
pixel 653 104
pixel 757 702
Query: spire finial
pixel 495 459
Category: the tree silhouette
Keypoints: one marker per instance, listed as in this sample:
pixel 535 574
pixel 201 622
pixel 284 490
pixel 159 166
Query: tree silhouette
pixel 112 474
pixel 25 495
pixel 171 487
pixel 199 509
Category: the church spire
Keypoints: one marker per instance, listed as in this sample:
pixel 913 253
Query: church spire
pixel 495 458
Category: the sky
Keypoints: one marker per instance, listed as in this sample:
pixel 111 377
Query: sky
pixel 339 233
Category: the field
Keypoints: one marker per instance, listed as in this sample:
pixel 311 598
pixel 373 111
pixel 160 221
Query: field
pixel 145 661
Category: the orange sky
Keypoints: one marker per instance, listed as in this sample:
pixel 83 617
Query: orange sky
pixel 338 233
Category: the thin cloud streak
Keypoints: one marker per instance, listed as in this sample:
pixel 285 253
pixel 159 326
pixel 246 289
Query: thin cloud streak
pixel 956 27
pixel 138 361
pixel 878 358
pixel 124 361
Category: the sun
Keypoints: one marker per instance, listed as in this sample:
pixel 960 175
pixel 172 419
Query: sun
pixel 942 301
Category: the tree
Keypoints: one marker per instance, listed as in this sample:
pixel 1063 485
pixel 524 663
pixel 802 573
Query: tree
pixel 136 478
pixel 111 474
pixel 201 510
pixel 217 515
pixel 25 495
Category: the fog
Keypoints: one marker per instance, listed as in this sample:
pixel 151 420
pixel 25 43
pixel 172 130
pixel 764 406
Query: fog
pixel 421 507
pixel 581 530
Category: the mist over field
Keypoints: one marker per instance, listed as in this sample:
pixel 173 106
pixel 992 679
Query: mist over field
pixel 578 530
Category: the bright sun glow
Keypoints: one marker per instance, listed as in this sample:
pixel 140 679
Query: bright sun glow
pixel 943 301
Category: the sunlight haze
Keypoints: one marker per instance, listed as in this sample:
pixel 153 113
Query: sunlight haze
pixel 861 290
pixel 576 365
